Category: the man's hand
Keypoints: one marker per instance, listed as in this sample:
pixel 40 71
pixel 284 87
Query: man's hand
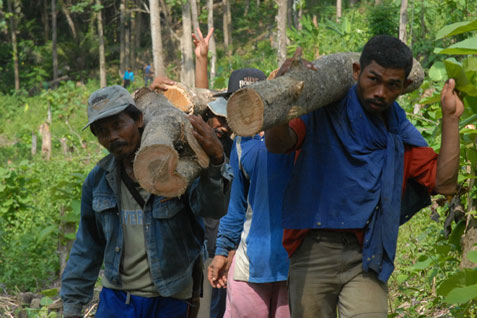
pixel 452 105
pixel 201 44
pixel 160 83
pixel 207 138
pixel 218 270
pixel 289 61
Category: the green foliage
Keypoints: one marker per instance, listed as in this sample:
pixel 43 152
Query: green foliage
pixel 383 19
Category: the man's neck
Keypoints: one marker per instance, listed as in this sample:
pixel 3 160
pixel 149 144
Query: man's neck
pixel 127 164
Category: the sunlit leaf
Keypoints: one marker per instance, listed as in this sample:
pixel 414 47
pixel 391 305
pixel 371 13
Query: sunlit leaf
pixel 435 98
pixel 437 72
pixel 46 232
pixel 461 295
pixel 472 256
pixel 46 301
pixel 420 265
pixel 49 292
pixel 466 47
pixel 463 278
pixel 456 28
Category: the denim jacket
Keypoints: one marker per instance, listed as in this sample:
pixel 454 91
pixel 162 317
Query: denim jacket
pixel 172 227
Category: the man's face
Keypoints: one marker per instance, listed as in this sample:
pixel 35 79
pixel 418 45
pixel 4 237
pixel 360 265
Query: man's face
pixel 119 134
pixel 378 87
pixel 219 124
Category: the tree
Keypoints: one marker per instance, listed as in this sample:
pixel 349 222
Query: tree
pixel 212 49
pixel 102 62
pixel 187 64
pixel 122 48
pixel 195 16
pixel 156 36
pixel 227 27
pixel 69 19
pixel 14 10
pixel 403 21
pixel 54 52
pixel 282 30
pixel 338 10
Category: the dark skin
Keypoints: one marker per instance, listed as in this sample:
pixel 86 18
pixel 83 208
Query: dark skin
pixel 121 136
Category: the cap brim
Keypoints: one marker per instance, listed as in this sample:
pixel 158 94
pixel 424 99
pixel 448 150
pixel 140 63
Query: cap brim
pixel 223 94
pixel 218 107
pixel 108 113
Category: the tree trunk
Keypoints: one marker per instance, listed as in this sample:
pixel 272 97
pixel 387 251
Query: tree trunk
pixel 265 104
pixel 13 9
pixel 187 65
pixel 353 2
pixel 33 144
pixel 137 33
pixel 127 43
pixel 282 31
pixel 338 10
pixel 290 13
pixel 54 51
pixel 227 20
pixel 156 36
pixel 403 21
pixel 102 59
pixel 45 141
pixel 378 2
pixel 132 40
pixel 45 20
pixel 122 19
pixel 212 48
pixel 71 24
pixel 170 157
pixel 189 100
pixel 194 14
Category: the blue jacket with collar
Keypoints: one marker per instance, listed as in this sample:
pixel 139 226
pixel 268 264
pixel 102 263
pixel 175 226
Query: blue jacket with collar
pixel 173 232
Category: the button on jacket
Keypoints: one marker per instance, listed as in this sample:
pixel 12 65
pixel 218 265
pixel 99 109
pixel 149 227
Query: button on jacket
pixel 173 232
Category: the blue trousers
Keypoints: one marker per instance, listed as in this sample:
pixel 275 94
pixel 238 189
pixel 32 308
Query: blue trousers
pixel 112 304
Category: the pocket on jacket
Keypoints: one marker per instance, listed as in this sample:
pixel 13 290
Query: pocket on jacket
pixel 103 203
pixel 167 209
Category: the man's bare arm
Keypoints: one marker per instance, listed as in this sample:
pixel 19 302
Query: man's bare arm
pixel 448 160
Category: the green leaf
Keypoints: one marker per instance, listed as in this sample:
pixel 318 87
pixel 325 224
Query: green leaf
pixel 470 102
pixel 472 256
pixel 456 235
pixel 461 295
pixel 467 277
pixel 456 28
pixel 420 265
pixel 46 231
pixel 456 71
pixel 70 236
pixel 466 47
pixel 46 301
pixel 435 98
pixel 437 72
pixel 402 278
pixel 49 292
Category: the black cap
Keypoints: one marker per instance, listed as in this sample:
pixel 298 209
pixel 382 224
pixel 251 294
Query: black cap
pixel 242 78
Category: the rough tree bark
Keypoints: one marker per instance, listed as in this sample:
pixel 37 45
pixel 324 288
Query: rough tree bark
pixel 156 36
pixel 403 21
pixel 269 103
pixel 212 47
pixel 71 24
pixel 137 31
pixel 54 51
pixel 338 10
pixel 102 59
pixel 282 30
pixel 13 9
pixel 227 27
pixel 187 65
pixel 122 19
pixel 194 15
pixel 169 157
pixel 45 141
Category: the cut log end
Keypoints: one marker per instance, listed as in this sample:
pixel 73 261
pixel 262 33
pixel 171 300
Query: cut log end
pixel 178 97
pixel 245 112
pixel 155 170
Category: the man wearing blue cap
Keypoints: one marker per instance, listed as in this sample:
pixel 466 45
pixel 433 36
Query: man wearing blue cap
pixel 148 244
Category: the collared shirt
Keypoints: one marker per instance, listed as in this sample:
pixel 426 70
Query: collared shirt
pixel 254 214
pixel 349 175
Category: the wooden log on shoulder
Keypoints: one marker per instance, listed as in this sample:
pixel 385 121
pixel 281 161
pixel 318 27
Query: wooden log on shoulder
pixel 266 104
pixel 170 157
pixel 189 100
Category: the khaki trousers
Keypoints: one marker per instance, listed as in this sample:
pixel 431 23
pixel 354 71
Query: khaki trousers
pixel 326 277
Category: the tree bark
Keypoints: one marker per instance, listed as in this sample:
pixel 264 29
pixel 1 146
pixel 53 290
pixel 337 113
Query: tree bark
pixel 338 10
pixel 45 20
pixel 273 102
pixel 102 59
pixel 13 9
pixel 54 51
pixel 170 157
pixel 71 24
pixel 194 14
pixel 159 69
pixel 45 141
pixel 189 100
pixel 187 65
pixel 403 18
pixel 122 19
pixel 282 31
pixel 127 42
pixel 227 27
pixel 137 32
pixel 212 47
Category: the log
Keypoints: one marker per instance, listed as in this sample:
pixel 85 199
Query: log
pixel 189 100
pixel 266 104
pixel 45 141
pixel 169 157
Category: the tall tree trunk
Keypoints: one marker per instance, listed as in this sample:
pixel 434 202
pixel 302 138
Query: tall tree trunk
pixel 71 24
pixel 13 9
pixel 195 16
pixel 352 2
pixel 45 20
pixel 122 19
pixel 403 21
pixel 132 41
pixel 300 15
pixel 102 60
pixel 127 42
pixel 227 20
pixel 157 56
pixel 54 52
pixel 137 31
pixel 282 30
pixel 290 13
pixel 187 65
pixel 212 48
pixel 338 10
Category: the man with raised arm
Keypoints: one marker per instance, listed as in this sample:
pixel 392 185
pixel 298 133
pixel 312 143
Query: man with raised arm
pixel 344 204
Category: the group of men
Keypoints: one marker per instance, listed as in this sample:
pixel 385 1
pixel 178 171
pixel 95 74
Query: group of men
pixel 310 228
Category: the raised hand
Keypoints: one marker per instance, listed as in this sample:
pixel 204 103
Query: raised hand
pixel 451 103
pixel 201 44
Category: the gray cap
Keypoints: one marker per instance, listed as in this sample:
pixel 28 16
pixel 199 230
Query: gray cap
pixel 218 107
pixel 108 101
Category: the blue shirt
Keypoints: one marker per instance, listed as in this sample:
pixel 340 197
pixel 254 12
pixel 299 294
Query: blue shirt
pixel 254 214
pixel 349 176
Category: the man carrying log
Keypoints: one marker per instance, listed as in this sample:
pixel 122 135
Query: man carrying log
pixel 149 244
pixel 344 204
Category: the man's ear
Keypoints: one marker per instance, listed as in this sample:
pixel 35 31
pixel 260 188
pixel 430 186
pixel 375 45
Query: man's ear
pixel 140 121
pixel 356 70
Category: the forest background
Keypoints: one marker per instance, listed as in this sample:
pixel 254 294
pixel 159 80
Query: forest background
pixel 54 53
